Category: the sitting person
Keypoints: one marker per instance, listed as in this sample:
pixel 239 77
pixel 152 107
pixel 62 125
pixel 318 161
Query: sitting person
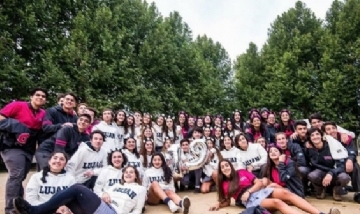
pixel 159 182
pixel 281 171
pixel 245 188
pixel 52 179
pixel 126 198
pixel 328 163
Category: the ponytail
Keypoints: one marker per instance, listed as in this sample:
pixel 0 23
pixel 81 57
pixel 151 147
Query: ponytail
pixel 45 173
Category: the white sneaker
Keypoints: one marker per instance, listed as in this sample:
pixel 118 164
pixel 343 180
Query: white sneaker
pixel 186 205
pixel 173 207
pixel 334 211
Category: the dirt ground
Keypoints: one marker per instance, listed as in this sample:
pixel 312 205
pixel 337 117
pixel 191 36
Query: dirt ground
pixel 200 203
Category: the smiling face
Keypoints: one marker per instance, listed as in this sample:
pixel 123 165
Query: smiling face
pixel 200 122
pixel 217 122
pixel 149 147
pixel 315 123
pixel 217 132
pixel 264 114
pixel 256 122
pixel 69 102
pixel 207 119
pixel 227 142
pixel 167 143
pixel 225 168
pixel 148 132
pixel 271 119
pixel 281 141
pixel 210 144
pixel 120 117
pixel 191 121
pixel 285 117
pixel 274 153
pixel 57 162
pixel 316 137
pixel 130 120
pixel 83 123
pixel 185 146
pixel 129 175
pixel 331 130
pixel 182 118
pixel 207 132
pixel 156 161
pixel 229 125
pixel 146 119
pixel 130 144
pixel 38 99
pixel 117 159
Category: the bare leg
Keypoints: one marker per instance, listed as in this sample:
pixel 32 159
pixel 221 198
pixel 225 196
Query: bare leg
pixel 277 204
pixel 173 196
pixel 155 194
pixel 287 196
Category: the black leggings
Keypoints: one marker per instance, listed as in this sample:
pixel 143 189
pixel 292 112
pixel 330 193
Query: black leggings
pixel 77 198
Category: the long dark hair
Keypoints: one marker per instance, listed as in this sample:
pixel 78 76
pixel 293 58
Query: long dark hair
pixel 110 154
pixel 270 164
pixel 137 180
pixel 46 169
pixel 167 171
pixel 135 151
pixel 237 138
pixel 123 123
pixel 262 126
pixel 185 125
pixel 132 126
pixel 143 151
pixel 233 179
pixel 234 122
pixel 222 146
pixel 173 128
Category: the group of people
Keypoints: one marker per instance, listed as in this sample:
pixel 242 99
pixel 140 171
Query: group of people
pixel 122 162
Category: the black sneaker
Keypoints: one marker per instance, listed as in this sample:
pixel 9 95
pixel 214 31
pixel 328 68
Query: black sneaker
pixel 143 210
pixel 357 197
pixel 21 206
pixel 197 190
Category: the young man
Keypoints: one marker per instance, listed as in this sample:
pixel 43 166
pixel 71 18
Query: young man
pixel 351 165
pixel 300 137
pixel 81 109
pixel 59 116
pixel 21 123
pixel 93 113
pixel 66 139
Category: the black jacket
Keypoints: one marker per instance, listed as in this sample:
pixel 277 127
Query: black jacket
pixel 66 139
pixel 350 147
pixel 53 120
pixel 12 132
pixel 289 175
pixel 297 154
pixel 321 159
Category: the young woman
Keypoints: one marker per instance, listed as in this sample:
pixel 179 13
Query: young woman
pixel 110 132
pixel 130 131
pixel 281 171
pixel 208 121
pixel 238 121
pixel 167 154
pixel 159 182
pixel 252 156
pixel 230 152
pixel 230 129
pixel 159 129
pixel 146 152
pixel 210 168
pixel 88 160
pixel 271 126
pixel 207 131
pixel 245 188
pixel 328 164
pixel 256 129
pixel 218 121
pixel 200 122
pixel 173 131
pixel 286 124
pixel 121 126
pixel 110 175
pixel 183 122
pixel 128 197
pixel 217 136
pixel 262 142
pixel 191 122
pixel 264 113
pixel 147 132
pixel 52 179
pixel 133 155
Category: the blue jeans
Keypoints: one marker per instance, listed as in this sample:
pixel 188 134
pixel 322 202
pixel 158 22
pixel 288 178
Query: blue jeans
pixel 75 197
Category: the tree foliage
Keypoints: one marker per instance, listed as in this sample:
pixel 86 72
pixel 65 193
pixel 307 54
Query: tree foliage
pixel 307 65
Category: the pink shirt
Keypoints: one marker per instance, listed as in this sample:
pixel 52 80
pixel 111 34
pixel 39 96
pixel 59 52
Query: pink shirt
pixel 246 180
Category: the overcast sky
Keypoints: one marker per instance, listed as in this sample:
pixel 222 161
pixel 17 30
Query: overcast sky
pixel 234 23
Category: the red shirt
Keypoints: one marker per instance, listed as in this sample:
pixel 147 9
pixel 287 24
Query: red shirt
pixel 24 113
pixel 246 180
